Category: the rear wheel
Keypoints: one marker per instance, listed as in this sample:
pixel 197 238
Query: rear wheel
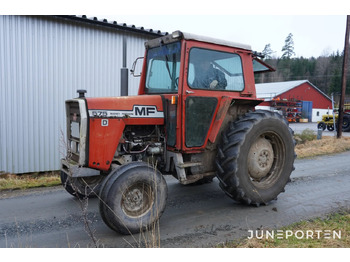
pixel 81 187
pixel 255 158
pixel 330 127
pixel 133 198
pixel 346 123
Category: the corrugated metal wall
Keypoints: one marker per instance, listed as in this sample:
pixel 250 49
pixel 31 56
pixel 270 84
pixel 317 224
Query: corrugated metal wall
pixel 43 61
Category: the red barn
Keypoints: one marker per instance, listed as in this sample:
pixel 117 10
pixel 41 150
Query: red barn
pixel 301 90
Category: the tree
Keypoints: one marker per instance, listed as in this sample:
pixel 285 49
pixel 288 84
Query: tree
pixel 267 52
pixel 288 48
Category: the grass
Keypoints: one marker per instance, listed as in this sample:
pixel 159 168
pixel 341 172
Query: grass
pixel 306 135
pixel 25 181
pixel 324 146
pixel 339 222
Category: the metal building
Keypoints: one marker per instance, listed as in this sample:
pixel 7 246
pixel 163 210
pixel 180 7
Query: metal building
pixel 300 90
pixel 43 61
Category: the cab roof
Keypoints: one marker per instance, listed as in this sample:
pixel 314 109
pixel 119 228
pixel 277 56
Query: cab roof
pixel 177 35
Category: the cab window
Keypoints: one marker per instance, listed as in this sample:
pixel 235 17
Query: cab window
pixel 214 70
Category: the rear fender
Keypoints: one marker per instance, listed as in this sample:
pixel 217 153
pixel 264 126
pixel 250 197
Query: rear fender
pixel 229 109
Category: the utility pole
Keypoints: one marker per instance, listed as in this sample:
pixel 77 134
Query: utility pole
pixel 343 84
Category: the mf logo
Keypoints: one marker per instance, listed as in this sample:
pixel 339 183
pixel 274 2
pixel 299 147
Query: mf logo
pixel 138 111
pixel 144 110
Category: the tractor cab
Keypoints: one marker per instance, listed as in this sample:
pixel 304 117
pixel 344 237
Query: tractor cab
pixel 196 76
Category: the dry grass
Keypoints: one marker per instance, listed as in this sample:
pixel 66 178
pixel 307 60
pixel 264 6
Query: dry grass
pixel 335 222
pixel 324 146
pixel 11 181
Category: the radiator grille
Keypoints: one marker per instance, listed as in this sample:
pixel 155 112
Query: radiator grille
pixel 73 129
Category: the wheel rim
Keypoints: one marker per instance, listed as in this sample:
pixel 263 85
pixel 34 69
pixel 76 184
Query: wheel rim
pixel 137 200
pixel 260 158
pixel 265 160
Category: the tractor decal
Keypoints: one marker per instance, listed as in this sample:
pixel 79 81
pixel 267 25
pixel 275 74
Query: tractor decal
pixel 139 111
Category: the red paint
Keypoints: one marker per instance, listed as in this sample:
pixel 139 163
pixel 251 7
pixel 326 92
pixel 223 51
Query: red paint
pixel 307 92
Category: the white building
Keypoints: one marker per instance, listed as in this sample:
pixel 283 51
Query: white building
pixel 43 61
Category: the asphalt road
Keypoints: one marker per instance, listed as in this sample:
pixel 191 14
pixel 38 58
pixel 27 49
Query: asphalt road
pixel 195 216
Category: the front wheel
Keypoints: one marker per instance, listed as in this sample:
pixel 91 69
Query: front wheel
pixel 133 198
pixel 322 125
pixel 255 158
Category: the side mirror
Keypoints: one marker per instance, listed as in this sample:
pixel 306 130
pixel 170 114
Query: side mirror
pixel 136 68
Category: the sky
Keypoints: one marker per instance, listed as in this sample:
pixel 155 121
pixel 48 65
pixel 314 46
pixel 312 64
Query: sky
pixel 318 26
pixel 313 35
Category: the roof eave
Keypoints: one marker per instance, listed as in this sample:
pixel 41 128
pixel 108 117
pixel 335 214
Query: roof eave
pixel 110 24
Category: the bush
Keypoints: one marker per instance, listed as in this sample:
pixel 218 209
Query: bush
pixel 306 135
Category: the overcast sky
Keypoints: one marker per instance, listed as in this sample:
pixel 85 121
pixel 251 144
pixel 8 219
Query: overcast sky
pixel 313 35
pixel 318 26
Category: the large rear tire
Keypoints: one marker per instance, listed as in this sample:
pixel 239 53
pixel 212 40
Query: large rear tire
pixel 133 198
pixel 255 158
pixel 346 123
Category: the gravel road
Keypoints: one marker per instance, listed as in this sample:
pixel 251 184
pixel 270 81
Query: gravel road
pixel 195 216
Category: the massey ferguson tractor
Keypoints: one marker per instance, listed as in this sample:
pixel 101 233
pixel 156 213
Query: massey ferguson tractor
pixel 194 118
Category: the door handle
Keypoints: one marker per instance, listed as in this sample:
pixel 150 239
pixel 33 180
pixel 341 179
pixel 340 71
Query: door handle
pixel 189 92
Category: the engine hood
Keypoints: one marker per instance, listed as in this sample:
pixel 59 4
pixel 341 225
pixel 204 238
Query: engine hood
pixel 108 117
pixel 144 106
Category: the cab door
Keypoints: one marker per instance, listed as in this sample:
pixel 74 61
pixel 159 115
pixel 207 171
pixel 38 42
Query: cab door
pixel 199 114
pixel 209 76
pixel 200 103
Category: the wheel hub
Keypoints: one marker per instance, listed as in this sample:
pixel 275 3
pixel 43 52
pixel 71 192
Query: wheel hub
pixel 260 158
pixel 133 200
pixel 137 200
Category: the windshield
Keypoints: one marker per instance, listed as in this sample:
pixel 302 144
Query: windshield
pixel 163 68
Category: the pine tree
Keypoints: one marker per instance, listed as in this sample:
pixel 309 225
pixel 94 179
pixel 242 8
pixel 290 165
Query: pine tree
pixel 288 48
pixel 267 52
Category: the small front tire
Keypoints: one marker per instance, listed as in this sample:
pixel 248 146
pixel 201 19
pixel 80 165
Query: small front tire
pixel 133 198
pixel 322 126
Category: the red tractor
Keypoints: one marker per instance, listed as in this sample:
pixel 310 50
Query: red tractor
pixel 194 118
